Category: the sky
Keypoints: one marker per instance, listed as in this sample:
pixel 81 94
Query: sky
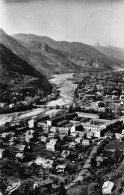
pixel 87 21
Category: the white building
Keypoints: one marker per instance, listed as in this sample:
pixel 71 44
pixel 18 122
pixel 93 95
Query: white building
pixel 86 142
pixel 31 123
pixel 46 163
pixel 43 139
pixel 1 153
pixel 51 145
pixel 72 144
pixel 78 140
pixel 107 187
pixel 87 115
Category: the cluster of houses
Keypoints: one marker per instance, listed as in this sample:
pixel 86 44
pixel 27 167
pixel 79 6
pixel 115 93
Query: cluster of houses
pixel 62 146
pixel 104 89
pixel 26 100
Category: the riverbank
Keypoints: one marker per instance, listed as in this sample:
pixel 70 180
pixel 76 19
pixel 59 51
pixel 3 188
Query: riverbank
pixel 66 88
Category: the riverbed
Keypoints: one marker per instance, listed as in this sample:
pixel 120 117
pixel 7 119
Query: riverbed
pixel 66 88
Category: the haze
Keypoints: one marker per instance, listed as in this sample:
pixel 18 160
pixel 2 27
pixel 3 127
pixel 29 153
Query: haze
pixel 89 22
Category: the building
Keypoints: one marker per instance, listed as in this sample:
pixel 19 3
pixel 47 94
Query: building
pixel 86 142
pixel 107 187
pixel 46 163
pixel 1 153
pixel 72 144
pixel 78 140
pixel 63 130
pixel 31 123
pixel 87 115
pixel 77 128
pixel 51 145
pixel 65 153
pixel 43 139
pixel 54 121
pixel 61 168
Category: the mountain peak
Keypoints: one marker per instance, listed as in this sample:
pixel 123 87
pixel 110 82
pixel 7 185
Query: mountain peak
pixel 2 32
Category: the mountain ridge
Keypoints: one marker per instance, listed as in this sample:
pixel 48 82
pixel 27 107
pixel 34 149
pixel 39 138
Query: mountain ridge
pixel 75 49
pixel 112 51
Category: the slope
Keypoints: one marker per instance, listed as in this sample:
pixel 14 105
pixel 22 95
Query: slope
pixel 115 52
pixel 15 70
pixel 75 49
pixel 41 56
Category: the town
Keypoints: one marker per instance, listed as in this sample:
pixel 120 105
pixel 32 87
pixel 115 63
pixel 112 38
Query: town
pixel 76 146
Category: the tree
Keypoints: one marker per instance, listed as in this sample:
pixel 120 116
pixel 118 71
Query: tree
pixel 94 189
pixel 57 107
pixel 61 189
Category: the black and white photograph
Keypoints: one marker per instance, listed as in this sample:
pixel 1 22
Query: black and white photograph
pixel 61 97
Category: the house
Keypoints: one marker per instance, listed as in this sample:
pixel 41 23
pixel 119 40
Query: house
pixel 1 153
pixel 72 145
pixel 61 168
pixel 31 123
pixel 53 129
pixel 51 135
pixel 99 86
pixel 19 155
pixel 87 115
pixel 43 139
pixel 90 134
pixel 86 142
pixel 65 153
pixel 39 161
pixel 74 134
pixel 107 187
pixel 4 134
pixel 77 128
pixel 78 140
pixel 119 136
pixel 28 135
pixel 99 159
pixel 54 121
pixel 20 147
pixel 46 163
pixel 11 105
pixel 122 98
pixel 122 132
pixel 51 145
pixel 63 130
pixel 3 104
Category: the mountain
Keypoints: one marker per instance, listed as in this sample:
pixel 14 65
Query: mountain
pixel 76 52
pixel 45 59
pixel 115 52
pixel 17 74
pixel 48 56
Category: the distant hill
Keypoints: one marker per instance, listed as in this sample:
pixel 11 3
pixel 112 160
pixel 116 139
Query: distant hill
pixel 48 56
pixel 74 50
pixel 115 52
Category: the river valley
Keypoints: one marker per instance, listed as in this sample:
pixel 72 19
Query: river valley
pixel 66 87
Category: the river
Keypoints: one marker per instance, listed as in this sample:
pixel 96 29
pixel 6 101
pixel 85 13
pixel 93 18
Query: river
pixel 66 88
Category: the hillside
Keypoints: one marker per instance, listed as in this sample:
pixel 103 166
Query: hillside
pixel 16 74
pixel 76 51
pixel 115 52
pixel 48 56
